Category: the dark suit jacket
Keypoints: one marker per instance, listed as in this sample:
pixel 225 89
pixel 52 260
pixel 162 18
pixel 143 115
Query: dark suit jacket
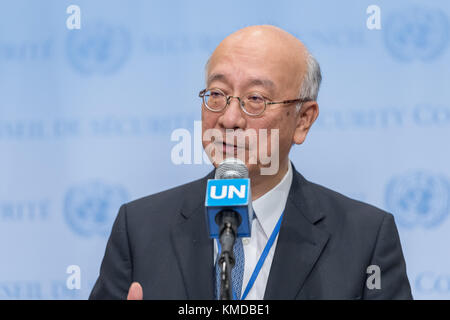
pixel 325 245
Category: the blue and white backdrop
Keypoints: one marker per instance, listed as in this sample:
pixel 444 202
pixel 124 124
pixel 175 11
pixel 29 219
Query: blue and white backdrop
pixel 86 117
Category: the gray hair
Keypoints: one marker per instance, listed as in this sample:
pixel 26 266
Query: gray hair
pixel 311 80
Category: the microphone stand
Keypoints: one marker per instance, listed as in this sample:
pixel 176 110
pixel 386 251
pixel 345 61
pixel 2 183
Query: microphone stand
pixel 228 221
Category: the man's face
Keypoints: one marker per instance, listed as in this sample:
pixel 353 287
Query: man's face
pixel 242 67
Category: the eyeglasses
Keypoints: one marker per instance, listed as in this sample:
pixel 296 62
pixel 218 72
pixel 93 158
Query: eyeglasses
pixel 252 104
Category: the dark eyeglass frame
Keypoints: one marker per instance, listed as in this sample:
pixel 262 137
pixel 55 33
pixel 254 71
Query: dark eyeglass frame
pixel 242 104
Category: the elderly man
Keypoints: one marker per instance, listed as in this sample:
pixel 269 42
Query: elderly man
pixel 328 246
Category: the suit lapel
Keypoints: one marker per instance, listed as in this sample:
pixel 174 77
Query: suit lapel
pixel 299 244
pixel 193 247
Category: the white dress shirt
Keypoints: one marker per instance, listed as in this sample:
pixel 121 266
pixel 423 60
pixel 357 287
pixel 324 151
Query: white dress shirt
pixel 268 209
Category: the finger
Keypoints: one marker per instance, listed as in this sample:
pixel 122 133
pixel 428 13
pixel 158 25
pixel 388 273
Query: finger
pixel 135 292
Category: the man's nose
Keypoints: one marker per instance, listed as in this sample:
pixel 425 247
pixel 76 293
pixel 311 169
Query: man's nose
pixel 232 117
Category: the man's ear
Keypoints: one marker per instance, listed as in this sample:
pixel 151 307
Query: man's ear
pixel 306 116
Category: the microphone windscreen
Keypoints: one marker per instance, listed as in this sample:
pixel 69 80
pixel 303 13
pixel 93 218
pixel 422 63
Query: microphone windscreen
pixel 231 168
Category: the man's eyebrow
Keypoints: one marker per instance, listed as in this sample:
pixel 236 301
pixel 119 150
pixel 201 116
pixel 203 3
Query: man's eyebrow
pixel 252 82
pixel 216 77
pixel 262 82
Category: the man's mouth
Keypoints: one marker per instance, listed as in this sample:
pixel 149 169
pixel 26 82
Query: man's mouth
pixel 227 148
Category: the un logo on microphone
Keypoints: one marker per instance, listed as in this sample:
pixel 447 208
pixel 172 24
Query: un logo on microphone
pixel 90 208
pixel 98 48
pixel 418 199
pixel 417 33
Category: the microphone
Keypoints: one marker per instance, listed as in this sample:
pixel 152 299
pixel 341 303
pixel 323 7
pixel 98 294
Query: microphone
pixel 229 213
pixel 229 191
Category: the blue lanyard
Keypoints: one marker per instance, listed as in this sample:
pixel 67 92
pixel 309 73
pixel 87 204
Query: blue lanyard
pixel 261 260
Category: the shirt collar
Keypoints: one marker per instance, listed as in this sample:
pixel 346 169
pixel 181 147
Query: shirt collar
pixel 269 207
